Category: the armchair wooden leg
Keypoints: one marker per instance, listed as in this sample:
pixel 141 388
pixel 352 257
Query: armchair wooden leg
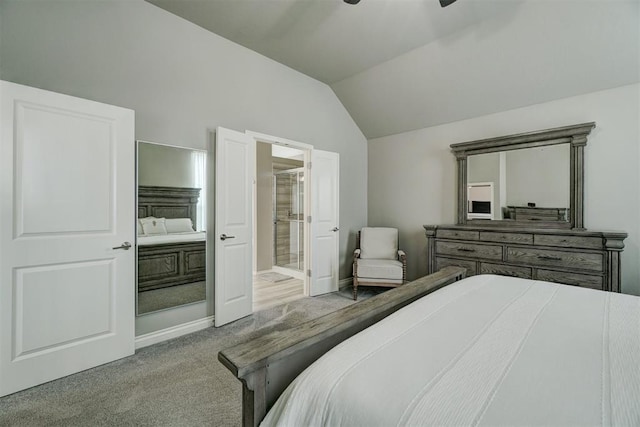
pixel 355 289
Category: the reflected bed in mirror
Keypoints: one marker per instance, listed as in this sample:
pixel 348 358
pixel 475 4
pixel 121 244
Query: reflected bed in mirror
pixel 530 184
pixel 171 227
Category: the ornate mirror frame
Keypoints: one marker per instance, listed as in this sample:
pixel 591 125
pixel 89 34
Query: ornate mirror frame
pixel 575 135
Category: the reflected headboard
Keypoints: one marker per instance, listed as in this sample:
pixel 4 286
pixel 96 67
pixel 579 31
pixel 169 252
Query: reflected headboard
pixel 168 202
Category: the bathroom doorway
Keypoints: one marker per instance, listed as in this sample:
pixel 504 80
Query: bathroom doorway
pixel 280 225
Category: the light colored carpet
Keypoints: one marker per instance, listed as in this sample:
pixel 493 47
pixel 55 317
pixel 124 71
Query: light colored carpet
pixel 172 296
pixel 175 383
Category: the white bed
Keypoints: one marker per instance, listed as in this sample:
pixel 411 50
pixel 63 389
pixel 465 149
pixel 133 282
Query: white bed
pixel 158 239
pixel 488 350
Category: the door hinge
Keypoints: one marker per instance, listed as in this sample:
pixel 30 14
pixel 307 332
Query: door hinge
pixel 309 165
pixel 309 219
pixel 309 273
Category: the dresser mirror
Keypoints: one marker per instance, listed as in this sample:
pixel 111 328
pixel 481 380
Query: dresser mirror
pixel 530 179
pixel 529 184
pixel 171 223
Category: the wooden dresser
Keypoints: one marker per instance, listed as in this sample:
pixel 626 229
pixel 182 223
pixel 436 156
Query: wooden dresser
pixel 583 258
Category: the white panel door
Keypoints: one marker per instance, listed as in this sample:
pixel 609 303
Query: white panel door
pixel 235 173
pixel 325 180
pixel 67 198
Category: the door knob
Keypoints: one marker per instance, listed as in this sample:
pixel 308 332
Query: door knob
pixel 334 229
pixel 126 246
pixel 225 237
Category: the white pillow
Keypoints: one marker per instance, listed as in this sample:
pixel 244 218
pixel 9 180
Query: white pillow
pixel 151 225
pixel 139 226
pixel 179 225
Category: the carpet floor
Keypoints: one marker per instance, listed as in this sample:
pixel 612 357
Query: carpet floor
pixel 173 296
pixel 175 383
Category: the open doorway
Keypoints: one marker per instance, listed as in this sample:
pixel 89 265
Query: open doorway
pixel 280 232
pixel 236 239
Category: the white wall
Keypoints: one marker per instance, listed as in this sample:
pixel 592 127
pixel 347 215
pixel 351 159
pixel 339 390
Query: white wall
pixel 412 175
pixel 182 81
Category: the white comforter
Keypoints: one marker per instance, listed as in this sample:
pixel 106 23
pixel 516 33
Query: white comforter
pixel 489 350
pixel 157 239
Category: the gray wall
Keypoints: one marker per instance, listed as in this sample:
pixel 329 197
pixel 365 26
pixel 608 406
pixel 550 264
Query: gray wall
pixel 264 207
pixel 164 166
pixel 182 81
pixel 412 175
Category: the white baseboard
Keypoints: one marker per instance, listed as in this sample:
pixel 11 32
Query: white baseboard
pixel 345 283
pixel 173 332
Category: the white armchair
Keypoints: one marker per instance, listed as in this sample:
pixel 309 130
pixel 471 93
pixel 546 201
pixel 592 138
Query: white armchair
pixel 377 260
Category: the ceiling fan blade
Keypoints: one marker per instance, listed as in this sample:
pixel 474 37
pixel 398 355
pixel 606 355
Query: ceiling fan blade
pixel 444 3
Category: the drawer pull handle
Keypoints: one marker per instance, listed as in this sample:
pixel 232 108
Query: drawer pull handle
pixel 466 250
pixel 549 258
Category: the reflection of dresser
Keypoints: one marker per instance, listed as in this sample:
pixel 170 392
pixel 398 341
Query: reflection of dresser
pixel 527 213
pixel 583 258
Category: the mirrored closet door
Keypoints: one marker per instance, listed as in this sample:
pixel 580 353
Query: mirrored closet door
pixel 171 223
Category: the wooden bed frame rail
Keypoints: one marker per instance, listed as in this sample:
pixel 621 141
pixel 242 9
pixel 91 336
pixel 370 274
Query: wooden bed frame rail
pixel 268 364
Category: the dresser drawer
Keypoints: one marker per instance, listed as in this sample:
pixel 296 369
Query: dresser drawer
pixel 492 236
pixel 568 241
pixel 576 279
pixel 464 263
pixel 457 234
pixel 505 270
pixel 472 250
pixel 547 257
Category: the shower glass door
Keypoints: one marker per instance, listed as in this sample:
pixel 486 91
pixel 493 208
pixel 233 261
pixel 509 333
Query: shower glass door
pixel 289 219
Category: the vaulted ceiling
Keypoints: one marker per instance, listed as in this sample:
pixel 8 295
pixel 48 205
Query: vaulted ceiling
pixel 330 40
pixel 400 65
